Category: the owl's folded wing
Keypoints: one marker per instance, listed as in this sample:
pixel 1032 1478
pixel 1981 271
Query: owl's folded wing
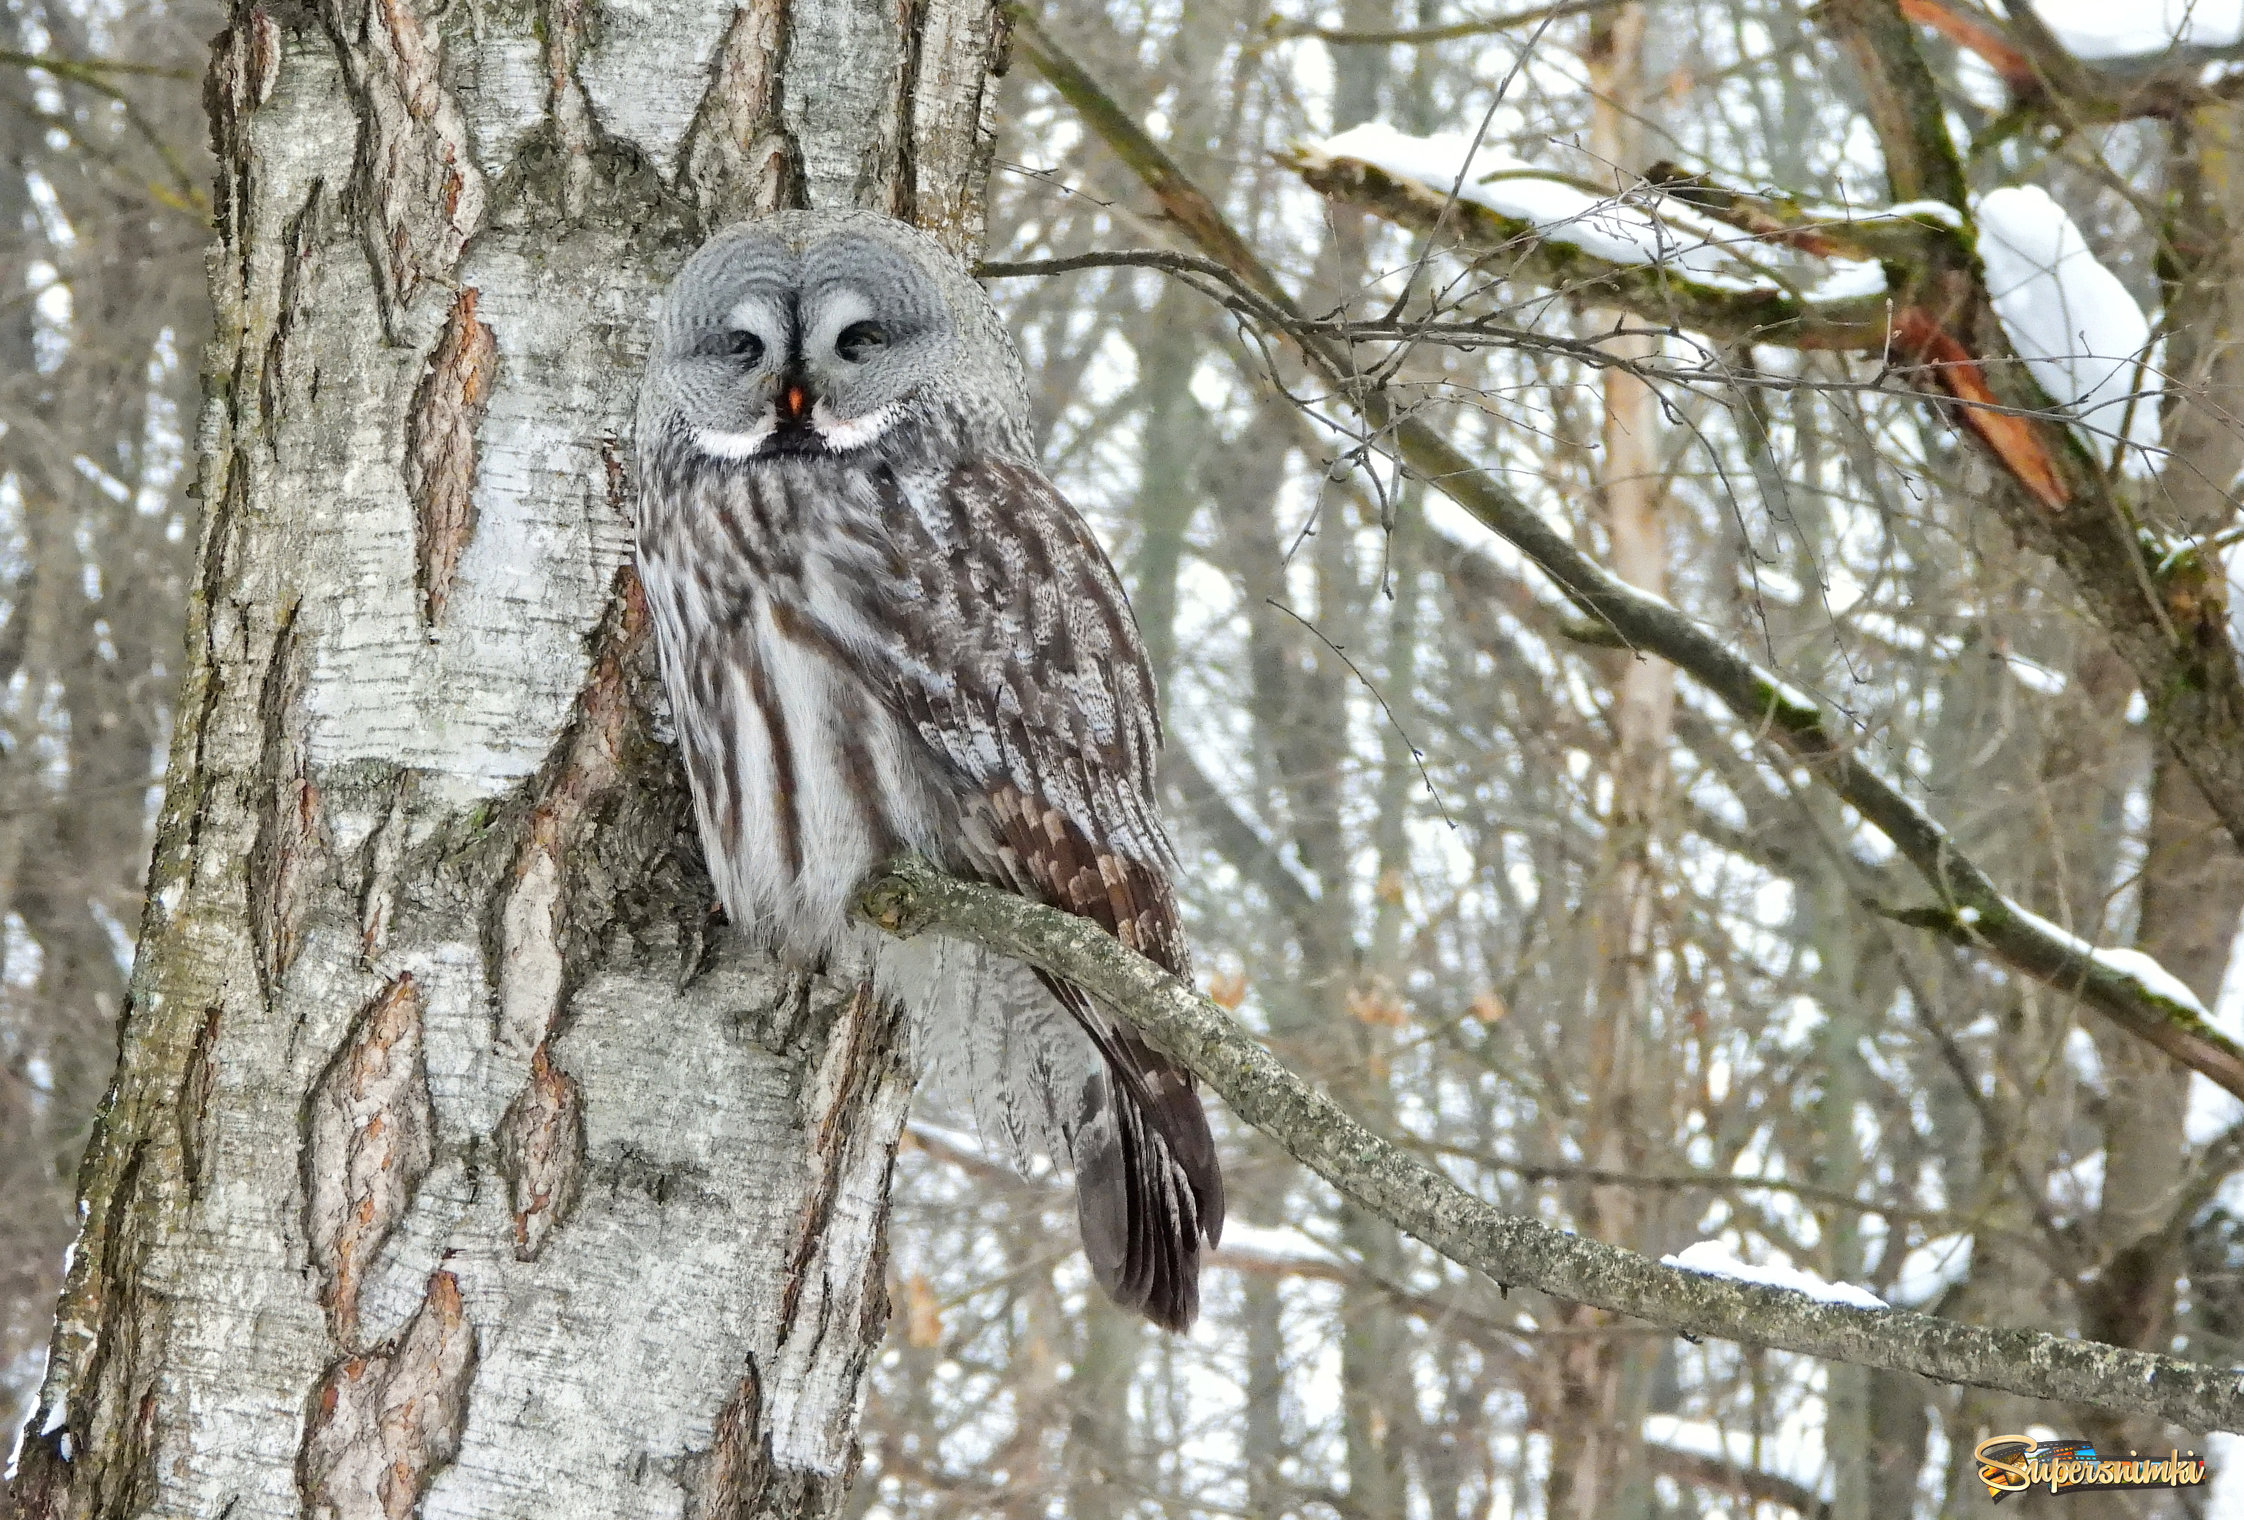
pixel 1017 660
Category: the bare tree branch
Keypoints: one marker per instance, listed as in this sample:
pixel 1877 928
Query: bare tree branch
pixel 185 193
pixel 83 69
pixel 1702 1470
pixel 1662 292
pixel 2159 603
pixel 912 898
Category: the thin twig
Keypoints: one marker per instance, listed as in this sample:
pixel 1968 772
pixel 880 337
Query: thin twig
pixel 1378 696
pixel 1427 36
pixel 88 73
pixel 72 68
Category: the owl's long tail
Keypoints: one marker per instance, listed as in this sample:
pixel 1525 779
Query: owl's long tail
pixel 1148 1188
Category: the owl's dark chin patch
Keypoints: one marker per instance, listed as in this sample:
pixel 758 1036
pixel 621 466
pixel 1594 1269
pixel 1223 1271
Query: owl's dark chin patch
pixel 796 439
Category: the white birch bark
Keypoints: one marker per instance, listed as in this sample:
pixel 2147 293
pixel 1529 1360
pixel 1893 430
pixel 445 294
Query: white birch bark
pixel 452 1166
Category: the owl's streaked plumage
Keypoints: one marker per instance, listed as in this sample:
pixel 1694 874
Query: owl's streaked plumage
pixel 882 629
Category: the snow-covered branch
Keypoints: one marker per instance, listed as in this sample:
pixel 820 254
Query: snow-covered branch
pixel 1749 269
pixel 1660 262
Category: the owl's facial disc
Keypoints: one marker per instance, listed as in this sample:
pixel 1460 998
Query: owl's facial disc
pixel 803 349
pixel 849 363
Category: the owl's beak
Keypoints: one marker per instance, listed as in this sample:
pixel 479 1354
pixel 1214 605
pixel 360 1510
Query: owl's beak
pixel 794 404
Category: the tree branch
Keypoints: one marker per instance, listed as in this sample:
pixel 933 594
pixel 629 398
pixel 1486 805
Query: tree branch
pixel 1977 32
pixel 911 898
pixel 1902 100
pixel 1703 1470
pixel 2161 605
pixel 1970 910
pixel 187 194
pixel 1239 842
pixel 1661 292
pixel 85 70
pixel 1423 36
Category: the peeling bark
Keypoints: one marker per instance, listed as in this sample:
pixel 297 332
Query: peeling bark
pixel 419 187
pixel 448 408
pixel 382 1424
pixel 541 1153
pixel 453 1164
pixel 367 1145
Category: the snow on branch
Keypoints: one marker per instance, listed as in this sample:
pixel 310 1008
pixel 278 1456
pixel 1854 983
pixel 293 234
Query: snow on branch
pixel 1612 227
pixel 2086 342
pixel 2099 31
pixel 1659 257
pixel 1714 1259
pixel 911 898
pixel 2082 336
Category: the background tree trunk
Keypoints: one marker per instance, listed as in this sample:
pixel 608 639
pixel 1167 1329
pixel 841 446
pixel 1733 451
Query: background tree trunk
pixel 1600 1382
pixel 453 1165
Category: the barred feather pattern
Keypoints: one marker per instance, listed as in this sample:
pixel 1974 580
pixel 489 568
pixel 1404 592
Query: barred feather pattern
pixel 916 644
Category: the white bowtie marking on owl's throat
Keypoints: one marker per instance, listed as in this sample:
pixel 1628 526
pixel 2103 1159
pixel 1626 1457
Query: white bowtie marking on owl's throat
pixel 843 433
pixel 722 445
pixel 839 434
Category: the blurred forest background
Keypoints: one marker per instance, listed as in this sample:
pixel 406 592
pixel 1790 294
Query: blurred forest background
pixel 1531 905
pixel 104 215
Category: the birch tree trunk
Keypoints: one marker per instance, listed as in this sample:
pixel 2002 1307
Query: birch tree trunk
pixel 454 1163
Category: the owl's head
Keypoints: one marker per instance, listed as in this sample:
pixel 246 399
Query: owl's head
pixel 817 332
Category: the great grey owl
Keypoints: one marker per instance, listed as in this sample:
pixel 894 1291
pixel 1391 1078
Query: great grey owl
pixel 883 630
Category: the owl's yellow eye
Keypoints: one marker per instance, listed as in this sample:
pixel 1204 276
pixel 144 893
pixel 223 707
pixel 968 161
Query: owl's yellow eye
pixel 859 339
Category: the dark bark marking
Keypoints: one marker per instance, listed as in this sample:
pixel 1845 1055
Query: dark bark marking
pixel 244 68
pixel 418 188
pixel 601 776
pixel 903 184
pixel 100 1459
pixel 739 157
pixel 288 857
pixel 541 1153
pixel 588 762
pixel 568 108
pixel 300 251
pixel 625 1168
pixel 193 1110
pixel 869 1031
pixel 382 1425
pixel 440 448
pixel 368 1129
pixel 377 867
pixel 583 777
pixel 735 1477
pixel 727 1482
pixel 618 478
